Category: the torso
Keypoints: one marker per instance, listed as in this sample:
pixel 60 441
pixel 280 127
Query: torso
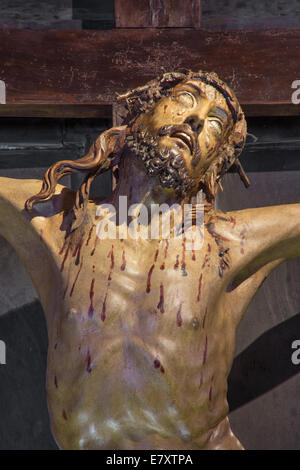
pixel 140 353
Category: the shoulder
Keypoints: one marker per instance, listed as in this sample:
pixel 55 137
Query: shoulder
pixel 17 191
pixel 45 218
pixel 223 222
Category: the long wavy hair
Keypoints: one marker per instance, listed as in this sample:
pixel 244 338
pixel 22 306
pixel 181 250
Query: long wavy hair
pixel 107 150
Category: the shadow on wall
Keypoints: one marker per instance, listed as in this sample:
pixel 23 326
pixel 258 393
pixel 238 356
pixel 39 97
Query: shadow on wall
pixel 24 421
pixel 264 364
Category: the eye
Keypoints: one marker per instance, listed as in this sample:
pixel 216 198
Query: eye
pixel 216 125
pixel 187 99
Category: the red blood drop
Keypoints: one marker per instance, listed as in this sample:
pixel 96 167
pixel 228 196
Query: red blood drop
pixel 205 351
pixel 148 287
pixel 103 313
pixel 88 361
pixel 199 288
pixel 156 363
pixel 179 318
pixel 123 261
pixel 91 308
pixel 89 235
pixel 75 280
pixel 160 305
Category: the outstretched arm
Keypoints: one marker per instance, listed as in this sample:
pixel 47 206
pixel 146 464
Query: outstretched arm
pixel 263 235
pixel 260 239
pixel 28 236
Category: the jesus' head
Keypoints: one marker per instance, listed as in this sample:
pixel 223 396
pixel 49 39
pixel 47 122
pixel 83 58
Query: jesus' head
pixel 188 129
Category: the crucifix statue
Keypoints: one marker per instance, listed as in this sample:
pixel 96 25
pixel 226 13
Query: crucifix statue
pixel 142 329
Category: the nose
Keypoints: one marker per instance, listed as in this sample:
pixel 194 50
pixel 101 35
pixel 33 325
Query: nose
pixel 195 123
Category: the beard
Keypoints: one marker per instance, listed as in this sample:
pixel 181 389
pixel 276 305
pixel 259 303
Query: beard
pixel 165 162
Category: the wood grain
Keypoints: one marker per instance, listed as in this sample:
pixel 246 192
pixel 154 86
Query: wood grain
pixel 75 68
pixel 157 13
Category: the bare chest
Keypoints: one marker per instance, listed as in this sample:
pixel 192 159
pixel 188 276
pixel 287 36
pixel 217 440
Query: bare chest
pixel 138 314
pixel 112 280
pixel 156 295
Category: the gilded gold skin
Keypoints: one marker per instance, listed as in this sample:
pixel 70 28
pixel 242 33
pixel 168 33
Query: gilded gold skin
pixel 206 113
pixel 142 332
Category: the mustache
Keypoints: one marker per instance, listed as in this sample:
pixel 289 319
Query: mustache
pixel 185 133
pixel 166 163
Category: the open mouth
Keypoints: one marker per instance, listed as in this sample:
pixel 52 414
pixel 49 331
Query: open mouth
pixel 185 138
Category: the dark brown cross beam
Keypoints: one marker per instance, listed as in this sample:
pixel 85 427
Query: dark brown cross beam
pixel 158 13
pixel 79 73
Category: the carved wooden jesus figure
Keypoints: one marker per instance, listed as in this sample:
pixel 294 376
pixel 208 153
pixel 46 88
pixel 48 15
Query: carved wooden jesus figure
pixel 142 331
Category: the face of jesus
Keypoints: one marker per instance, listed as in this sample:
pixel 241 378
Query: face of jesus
pixel 183 131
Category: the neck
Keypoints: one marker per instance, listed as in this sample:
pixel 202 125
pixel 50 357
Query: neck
pixel 141 188
pixel 147 194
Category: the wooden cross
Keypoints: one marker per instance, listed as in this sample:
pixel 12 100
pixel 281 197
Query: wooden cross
pixel 78 73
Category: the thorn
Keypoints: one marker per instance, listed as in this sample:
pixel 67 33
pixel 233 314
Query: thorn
pixel 238 166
